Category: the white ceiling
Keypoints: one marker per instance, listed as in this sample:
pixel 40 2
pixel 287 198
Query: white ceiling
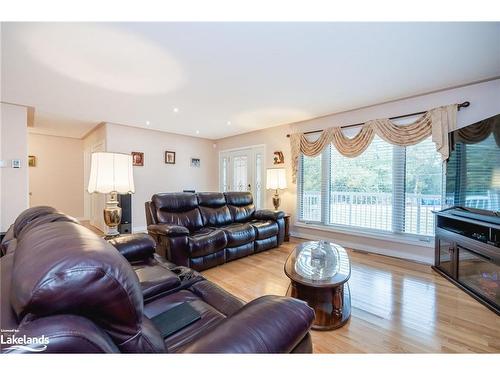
pixel 231 78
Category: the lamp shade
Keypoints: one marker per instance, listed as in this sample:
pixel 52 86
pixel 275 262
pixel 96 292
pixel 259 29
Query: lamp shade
pixel 276 178
pixel 111 172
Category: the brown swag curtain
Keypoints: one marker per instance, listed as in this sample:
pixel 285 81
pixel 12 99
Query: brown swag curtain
pixel 437 122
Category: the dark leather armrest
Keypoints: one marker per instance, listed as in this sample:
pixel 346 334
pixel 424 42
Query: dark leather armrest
pixel 168 230
pixel 269 324
pixel 134 247
pixel 268 215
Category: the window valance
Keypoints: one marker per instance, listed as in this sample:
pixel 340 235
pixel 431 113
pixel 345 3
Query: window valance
pixel 437 122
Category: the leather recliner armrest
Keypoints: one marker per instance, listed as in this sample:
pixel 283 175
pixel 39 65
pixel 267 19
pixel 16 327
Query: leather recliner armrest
pixel 268 215
pixel 134 247
pixel 269 324
pixel 168 230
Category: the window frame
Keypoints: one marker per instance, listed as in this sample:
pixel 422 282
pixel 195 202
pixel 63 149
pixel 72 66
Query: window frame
pixel 399 196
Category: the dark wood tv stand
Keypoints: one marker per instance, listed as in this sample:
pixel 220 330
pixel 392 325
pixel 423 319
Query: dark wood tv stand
pixel 467 253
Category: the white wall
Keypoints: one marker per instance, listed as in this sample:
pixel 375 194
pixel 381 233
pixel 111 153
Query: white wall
pixel 14 145
pixel 485 102
pixel 57 178
pixel 156 176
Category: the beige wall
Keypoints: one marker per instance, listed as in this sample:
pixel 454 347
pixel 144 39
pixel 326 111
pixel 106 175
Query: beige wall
pixel 14 145
pixel 93 203
pixel 485 102
pixel 156 176
pixel 57 179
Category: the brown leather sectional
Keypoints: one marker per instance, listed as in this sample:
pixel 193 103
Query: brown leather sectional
pixel 204 230
pixel 62 282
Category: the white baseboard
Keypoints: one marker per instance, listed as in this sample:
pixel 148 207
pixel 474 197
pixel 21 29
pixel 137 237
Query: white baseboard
pixel 372 249
pixel 142 229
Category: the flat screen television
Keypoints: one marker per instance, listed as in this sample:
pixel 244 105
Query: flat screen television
pixel 473 169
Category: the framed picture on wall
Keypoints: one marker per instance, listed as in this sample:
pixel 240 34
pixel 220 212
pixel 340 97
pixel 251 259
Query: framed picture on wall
pixel 195 162
pixel 169 157
pixel 278 157
pixel 138 159
pixel 32 161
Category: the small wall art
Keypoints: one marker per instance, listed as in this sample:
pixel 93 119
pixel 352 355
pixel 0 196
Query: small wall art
pixel 138 159
pixel 278 157
pixel 169 157
pixel 195 162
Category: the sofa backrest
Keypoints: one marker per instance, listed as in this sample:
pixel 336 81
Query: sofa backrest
pixel 178 209
pixel 214 210
pixel 240 204
pixel 82 275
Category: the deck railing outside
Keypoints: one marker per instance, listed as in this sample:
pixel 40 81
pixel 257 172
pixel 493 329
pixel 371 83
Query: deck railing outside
pixel 373 210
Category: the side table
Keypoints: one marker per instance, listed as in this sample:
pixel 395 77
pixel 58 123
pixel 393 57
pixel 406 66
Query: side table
pixel 287 227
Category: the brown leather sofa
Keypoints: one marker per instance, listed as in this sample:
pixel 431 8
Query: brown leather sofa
pixel 62 283
pixel 204 230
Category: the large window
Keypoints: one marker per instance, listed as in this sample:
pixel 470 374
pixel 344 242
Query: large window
pixel 387 188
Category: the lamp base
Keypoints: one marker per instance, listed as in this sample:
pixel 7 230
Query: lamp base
pixel 276 200
pixel 112 216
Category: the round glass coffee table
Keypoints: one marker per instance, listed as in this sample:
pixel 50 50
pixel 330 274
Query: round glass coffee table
pixel 319 272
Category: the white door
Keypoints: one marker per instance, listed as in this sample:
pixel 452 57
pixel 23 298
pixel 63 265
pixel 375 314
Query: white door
pixel 242 170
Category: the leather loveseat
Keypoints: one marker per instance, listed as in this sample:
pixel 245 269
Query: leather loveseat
pixel 204 230
pixel 66 290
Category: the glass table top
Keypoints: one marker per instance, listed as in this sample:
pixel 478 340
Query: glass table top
pixel 318 262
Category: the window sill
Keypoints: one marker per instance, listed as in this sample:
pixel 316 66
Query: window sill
pixel 408 239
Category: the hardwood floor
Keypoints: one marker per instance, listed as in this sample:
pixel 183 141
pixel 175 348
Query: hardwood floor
pixel 397 306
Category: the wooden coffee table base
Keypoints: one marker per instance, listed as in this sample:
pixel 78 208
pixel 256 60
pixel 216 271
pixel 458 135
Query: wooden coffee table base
pixel 332 305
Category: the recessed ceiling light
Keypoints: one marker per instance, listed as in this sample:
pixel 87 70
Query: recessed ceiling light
pixel 147 123
pixel 229 122
pixel 197 132
pixel 176 110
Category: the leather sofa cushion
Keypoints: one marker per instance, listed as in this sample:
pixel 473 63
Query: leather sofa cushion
pixel 238 198
pixel 155 279
pixel 9 236
pixel 29 215
pixel 264 229
pixel 79 271
pixel 268 215
pixel 206 241
pixel 175 202
pixel 190 219
pixel 238 234
pixel 178 209
pixel 240 204
pixel 8 318
pixel 210 317
pixel 135 246
pixel 168 230
pixel 42 218
pixel 213 209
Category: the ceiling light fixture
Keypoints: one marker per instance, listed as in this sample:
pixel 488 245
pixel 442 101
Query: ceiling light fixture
pixel 147 122
pixel 197 132
pixel 229 122
pixel 176 110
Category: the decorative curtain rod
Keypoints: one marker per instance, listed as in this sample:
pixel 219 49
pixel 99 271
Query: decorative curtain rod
pixel 461 105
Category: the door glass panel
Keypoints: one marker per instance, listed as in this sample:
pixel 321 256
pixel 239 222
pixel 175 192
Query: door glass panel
pixel 258 180
pixel 240 173
pixel 225 186
pixel 479 274
pixel 445 256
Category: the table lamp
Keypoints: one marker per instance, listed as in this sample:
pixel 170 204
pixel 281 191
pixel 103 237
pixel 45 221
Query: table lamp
pixel 111 173
pixel 276 179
